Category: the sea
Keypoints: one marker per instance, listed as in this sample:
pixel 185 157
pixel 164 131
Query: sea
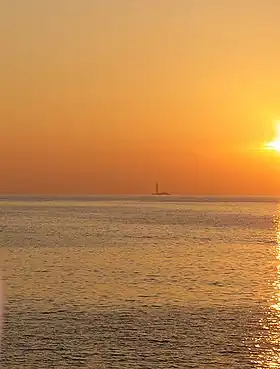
pixel 148 282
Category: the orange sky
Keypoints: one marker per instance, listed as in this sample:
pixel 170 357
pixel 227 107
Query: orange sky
pixel 108 96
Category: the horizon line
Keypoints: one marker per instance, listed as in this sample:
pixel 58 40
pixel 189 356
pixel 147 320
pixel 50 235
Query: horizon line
pixel 132 195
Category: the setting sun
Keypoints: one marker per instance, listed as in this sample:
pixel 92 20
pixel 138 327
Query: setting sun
pixel 275 144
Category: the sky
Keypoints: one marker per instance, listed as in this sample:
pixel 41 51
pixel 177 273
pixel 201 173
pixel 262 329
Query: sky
pixel 110 96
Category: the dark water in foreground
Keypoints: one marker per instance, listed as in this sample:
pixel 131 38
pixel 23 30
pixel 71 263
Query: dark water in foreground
pixel 140 283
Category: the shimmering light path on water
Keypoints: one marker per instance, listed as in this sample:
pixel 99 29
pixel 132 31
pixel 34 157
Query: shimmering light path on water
pixel 140 283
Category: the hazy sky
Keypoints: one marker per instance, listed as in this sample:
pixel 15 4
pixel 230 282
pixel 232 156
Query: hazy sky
pixel 108 96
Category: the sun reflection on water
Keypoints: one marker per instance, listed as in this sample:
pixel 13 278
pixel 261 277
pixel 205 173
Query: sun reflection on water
pixel 267 344
pixel 276 284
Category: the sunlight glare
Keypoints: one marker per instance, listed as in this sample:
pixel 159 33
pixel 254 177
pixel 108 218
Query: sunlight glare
pixel 274 145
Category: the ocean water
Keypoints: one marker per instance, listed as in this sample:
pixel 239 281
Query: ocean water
pixel 140 282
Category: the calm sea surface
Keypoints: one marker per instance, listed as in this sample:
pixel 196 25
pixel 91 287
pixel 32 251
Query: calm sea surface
pixel 115 282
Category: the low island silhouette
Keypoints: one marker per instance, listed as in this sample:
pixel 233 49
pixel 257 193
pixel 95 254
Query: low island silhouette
pixel 158 193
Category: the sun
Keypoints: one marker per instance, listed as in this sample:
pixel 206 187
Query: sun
pixel 274 145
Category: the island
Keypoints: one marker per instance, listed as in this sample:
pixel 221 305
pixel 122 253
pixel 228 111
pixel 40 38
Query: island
pixel 157 193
